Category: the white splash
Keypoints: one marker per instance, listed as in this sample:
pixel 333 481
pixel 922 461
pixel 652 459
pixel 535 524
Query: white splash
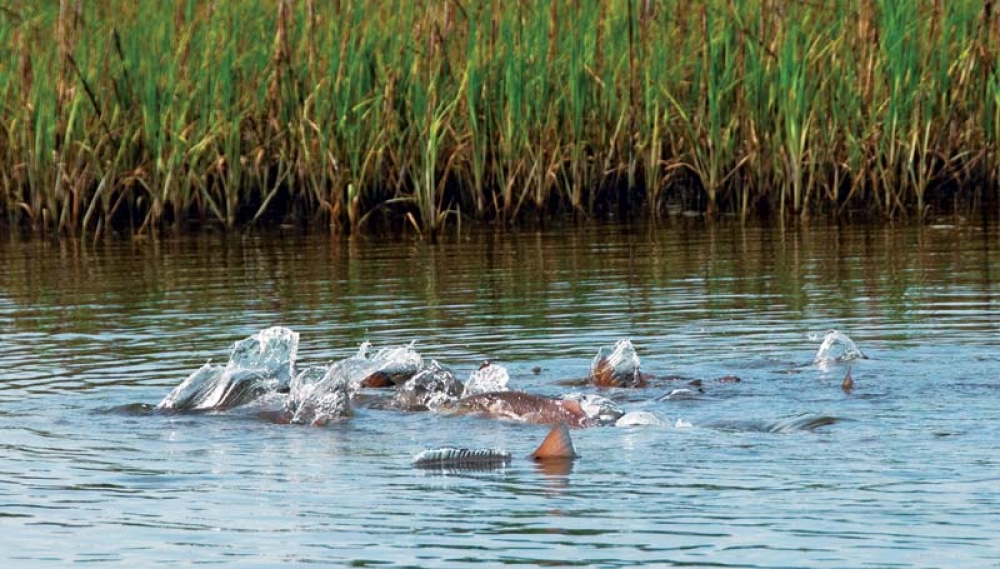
pixel 837 347
pixel 600 410
pixel 621 360
pixel 315 399
pixel 397 364
pixel 261 363
pixel 638 418
pixel 487 379
pixel 432 387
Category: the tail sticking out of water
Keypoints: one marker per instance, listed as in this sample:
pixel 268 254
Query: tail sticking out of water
pixel 848 383
pixel 556 446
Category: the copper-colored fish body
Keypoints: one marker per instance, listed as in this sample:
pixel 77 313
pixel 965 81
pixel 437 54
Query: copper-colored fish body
pixel 520 406
pixel 377 380
pixel 604 374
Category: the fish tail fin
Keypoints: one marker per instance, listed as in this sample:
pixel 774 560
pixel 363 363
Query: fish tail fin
pixel 557 444
pixel 848 383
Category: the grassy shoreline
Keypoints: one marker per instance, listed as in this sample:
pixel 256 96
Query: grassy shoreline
pixel 151 115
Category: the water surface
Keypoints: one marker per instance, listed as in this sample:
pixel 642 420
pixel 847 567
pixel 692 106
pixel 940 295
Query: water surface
pixel 900 472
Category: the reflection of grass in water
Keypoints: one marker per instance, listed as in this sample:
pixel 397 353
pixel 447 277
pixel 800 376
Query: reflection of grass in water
pixel 153 114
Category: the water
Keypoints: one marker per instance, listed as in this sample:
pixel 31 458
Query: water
pixel 782 469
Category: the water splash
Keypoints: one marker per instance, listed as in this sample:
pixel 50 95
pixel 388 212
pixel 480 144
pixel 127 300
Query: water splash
pixel 261 370
pixel 433 387
pixel 389 366
pixel 318 400
pixel 837 347
pixel 396 365
pixel 489 378
pixel 638 418
pixel 272 350
pixel 616 366
pixel 599 410
pixel 257 365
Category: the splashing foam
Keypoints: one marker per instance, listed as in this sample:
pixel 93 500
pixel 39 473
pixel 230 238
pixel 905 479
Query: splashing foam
pixel 260 364
pixel 616 366
pixel 488 379
pixel 433 387
pixel 599 410
pixel 318 402
pixel 837 347
pixel 390 365
pixel 638 418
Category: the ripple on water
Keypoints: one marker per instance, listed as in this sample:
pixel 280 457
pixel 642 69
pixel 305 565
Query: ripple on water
pixel 900 472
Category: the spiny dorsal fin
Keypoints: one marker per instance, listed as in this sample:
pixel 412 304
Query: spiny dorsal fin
pixel 556 445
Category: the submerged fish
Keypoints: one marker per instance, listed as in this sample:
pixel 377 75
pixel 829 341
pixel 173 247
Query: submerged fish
pixel 804 422
pixel 557 446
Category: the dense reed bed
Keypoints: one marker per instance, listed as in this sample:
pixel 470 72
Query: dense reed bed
pixel 147 115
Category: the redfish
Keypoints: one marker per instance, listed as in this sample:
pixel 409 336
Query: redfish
pixel 520 406
pixel 557 446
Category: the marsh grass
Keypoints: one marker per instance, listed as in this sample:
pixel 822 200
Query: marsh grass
pixel 151 115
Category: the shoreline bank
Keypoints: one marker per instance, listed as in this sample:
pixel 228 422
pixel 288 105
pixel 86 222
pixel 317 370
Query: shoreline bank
pixel 358 116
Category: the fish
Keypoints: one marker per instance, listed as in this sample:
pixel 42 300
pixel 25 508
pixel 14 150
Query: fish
pixel 521 406
pixel 556 447
pixel 617 366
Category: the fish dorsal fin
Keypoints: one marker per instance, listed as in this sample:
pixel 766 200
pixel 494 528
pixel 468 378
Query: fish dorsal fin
pixel 556 445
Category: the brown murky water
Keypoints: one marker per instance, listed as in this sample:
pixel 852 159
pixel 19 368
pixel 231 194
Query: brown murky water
pixel 900 472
